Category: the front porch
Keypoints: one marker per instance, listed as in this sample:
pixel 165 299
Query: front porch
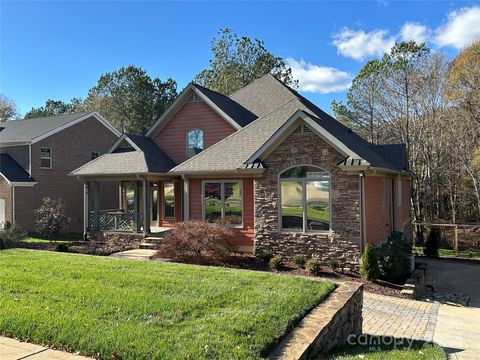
pixel 146 207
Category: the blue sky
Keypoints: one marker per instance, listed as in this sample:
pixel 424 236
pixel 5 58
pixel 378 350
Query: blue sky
pixel 59 49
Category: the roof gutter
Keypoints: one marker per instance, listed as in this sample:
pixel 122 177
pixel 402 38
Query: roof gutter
pixel 219 172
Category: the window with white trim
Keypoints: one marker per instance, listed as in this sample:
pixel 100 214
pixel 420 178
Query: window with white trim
pixel 46 158
pixel 305 199
pixel 194 142
pixel 223 202
pixel 168 201
pixel 95 154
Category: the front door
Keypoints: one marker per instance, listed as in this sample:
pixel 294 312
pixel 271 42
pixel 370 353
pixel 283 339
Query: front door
pixel 153 205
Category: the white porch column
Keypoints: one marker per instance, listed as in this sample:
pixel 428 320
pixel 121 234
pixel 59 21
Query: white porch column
pixel 136 207
pixel 85 209
pixel 146 207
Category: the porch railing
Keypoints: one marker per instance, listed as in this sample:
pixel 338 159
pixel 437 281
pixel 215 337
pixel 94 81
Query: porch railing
pixel 115 219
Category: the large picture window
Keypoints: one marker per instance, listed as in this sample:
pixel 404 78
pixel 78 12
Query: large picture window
pixel 305 199
pixel 194 142
pixel 222 202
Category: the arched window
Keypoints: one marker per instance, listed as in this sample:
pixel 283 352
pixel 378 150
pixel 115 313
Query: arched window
pixel 305 199
pixel 194 142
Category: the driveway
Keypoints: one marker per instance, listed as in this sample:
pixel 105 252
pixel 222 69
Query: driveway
pixel 454 328
pixel 454 276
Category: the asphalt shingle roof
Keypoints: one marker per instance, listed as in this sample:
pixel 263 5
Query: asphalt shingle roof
pixel 29 129
pixel 237 112
pixel 12 171
pixel 150 159
pixel 275 103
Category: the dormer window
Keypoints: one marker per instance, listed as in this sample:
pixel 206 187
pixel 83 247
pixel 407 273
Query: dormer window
pixel 194 142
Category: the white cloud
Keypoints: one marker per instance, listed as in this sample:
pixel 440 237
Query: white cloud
pixel 319 79
pixel 360 44
pixel 462 27
pixel 414 31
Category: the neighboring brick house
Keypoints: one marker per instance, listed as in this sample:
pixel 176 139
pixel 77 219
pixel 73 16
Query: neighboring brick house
pixel 36 156
pixel 286 176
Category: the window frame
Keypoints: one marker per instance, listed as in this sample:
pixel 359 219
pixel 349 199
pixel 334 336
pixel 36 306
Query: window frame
pixel 46 158
pixel 222 195
pixel 304 229
pixel 187 144
pixel 97 155
pixel 163 200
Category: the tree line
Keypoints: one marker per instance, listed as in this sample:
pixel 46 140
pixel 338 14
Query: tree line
pixel 415 96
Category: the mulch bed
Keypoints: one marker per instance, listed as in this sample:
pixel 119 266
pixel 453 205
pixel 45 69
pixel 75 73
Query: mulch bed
pixel 91 247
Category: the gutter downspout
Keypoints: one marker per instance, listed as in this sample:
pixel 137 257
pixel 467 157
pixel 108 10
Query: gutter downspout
pixel 363 227
pixel 13 204
pixel 30 159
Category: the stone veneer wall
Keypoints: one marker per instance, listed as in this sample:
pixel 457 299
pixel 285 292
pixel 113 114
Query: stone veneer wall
pixel 344 245
pixel 328 325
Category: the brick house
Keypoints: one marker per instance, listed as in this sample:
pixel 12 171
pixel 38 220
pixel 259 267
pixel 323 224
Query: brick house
pixel 36 156
pixel 285 175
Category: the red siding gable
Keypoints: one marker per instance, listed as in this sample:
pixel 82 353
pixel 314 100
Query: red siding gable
pixel 194 115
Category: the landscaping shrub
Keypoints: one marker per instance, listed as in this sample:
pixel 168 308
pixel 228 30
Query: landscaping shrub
pixel 393 258
pixel 61 247
pixel 369 267
pixel 275 262
pixel 6 225
pixel 11 236
pixel 334 264
pixel 313 266
pixel 49 218
pixel 433 242
pixel 299 260
pixel 198 242
pixel 265 256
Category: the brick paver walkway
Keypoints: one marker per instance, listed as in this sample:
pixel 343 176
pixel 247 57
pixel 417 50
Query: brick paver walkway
pixel 400 318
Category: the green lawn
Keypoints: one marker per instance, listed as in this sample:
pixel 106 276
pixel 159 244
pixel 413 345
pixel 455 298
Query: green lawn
pixel 36 239
pixel 143 310
pixel 474 254
pixel 397 349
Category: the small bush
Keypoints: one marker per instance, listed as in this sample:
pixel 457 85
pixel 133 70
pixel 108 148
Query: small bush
pixel 334 264
pixel 299 261
pixel 393 259
pixel 433 242
pixel 198 242
pixel 11 236
pixel 61 247
pixel 6 225
pixel 265 256
pixel 313 266
pixel 275 262
pixel 369 267
pixel 49 218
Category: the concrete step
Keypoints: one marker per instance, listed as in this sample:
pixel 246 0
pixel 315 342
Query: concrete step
pixel 153 239
pixel 147 245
